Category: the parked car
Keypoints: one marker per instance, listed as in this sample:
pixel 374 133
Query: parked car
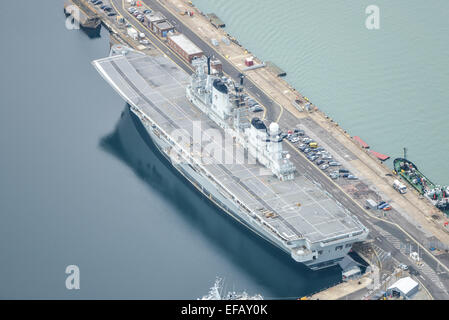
pixel 147 11
pixel 352 177
pixel 302 147
pixel 334 163
pixel 334 175
pixel 343 170
pixel 250 101
pixel 111 14
pixel 381 204
pixel 403 266
pixel 320 162
pixel 324 167
pixel 294 140
pixel 307 150
pixel 257 109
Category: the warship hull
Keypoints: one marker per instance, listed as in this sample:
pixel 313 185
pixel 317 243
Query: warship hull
pixel 317 233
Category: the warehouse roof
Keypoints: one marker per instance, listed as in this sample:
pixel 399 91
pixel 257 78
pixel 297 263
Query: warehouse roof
pixel 185 44
pixel 164 25
pixel 155 16
pixel 405 285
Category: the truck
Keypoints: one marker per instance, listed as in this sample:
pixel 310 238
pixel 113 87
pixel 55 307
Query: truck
pixel 133 33
pixel 399 186
pixel 370 203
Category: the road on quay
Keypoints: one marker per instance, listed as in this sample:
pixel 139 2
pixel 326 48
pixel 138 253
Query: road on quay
pixel 273 111
pixel 430 282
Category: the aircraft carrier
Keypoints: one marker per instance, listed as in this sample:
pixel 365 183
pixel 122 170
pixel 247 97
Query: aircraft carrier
pixel 201 125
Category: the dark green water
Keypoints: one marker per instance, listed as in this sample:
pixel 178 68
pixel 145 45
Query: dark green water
pixel 74 189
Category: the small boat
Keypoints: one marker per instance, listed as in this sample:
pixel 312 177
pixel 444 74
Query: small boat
pixel 438 195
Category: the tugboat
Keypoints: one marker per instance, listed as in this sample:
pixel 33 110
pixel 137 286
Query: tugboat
pixel 438 195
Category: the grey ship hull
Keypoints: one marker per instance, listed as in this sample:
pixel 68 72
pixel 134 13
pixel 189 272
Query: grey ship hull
pixel 332 250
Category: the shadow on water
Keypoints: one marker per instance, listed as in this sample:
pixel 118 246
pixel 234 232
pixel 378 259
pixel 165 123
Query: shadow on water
pixel 258 259
pixel 92 33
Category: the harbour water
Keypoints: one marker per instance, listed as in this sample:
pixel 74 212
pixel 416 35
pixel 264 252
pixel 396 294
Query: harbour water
pixel 389 86
pixel 81 186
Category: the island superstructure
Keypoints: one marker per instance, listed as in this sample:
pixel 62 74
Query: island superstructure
pixel 259 186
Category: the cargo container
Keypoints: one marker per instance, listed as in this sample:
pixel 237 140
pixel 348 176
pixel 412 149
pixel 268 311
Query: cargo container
pixel 249 61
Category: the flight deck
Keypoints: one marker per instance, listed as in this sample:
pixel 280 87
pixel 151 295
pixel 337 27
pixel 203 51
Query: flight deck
pixel 296 209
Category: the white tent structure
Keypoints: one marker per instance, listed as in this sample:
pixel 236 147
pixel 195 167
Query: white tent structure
pixel 406 287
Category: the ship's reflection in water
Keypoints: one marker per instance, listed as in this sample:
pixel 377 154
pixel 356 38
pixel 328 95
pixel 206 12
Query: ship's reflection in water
pixel 272 272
